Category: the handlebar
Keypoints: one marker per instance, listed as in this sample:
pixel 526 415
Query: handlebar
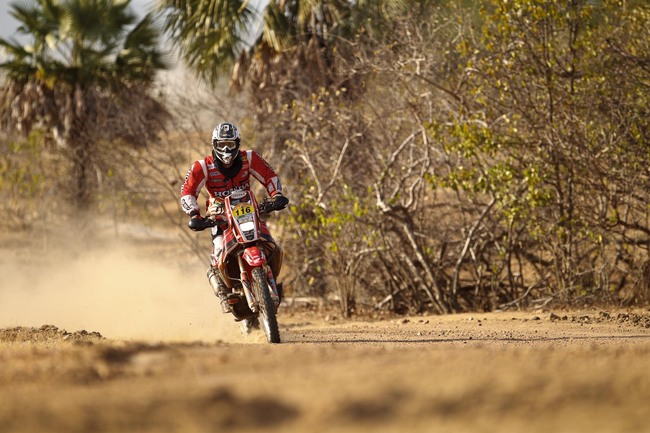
pixel 266 206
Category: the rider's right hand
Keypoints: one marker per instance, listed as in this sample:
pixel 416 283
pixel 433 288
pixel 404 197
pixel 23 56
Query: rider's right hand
pixel 196 222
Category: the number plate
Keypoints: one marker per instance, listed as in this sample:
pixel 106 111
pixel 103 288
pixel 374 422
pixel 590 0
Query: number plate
pixel 242 209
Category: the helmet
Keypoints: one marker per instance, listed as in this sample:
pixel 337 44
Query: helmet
pixel 225 142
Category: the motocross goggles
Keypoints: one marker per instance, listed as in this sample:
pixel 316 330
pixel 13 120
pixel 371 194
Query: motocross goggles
pixel 224 144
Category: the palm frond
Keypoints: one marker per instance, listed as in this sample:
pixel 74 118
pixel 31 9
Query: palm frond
pixel 210 34
pixel 140 56
pixel 278 31
pixel 97 21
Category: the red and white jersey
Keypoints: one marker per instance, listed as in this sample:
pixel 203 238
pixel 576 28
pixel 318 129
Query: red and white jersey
pixel 205 173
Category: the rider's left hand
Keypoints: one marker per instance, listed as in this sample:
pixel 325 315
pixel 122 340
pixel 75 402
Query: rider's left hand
pixel 279 201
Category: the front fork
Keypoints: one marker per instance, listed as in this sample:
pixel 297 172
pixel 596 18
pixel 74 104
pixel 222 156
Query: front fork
pixel 253 257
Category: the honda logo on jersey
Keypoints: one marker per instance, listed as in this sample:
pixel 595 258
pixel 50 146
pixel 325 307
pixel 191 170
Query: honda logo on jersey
pixel 243 187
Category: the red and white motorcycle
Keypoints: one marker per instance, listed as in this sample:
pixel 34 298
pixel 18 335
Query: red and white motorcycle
pixel 245 262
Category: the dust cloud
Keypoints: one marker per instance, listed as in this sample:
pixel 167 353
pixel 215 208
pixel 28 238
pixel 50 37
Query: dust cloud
pixel 122 290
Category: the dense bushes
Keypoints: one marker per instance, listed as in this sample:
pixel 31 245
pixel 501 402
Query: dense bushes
pixel 493 158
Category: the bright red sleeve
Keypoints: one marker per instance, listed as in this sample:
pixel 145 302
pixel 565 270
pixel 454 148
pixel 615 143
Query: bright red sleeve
pixel 262 171
pixel 194 181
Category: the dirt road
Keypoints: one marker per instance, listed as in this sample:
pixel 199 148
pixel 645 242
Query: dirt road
pixel 167 361
pixel 498 372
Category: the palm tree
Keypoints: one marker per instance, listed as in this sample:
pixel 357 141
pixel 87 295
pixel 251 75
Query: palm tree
pixel 295 39
pixel 84 79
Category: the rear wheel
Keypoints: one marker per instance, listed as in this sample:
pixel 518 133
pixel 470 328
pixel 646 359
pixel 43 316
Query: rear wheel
pixel 268 319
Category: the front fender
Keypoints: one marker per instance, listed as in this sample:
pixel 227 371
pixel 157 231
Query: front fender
pixel 254 257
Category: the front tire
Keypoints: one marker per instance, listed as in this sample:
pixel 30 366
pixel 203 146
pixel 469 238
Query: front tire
pixel 268 318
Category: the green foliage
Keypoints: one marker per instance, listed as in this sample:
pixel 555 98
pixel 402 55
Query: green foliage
pixel 20 164
pixel 529 141
pixel 543 77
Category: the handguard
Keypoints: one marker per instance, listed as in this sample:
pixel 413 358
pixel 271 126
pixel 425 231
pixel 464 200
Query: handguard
pixel 200 224
pixel 278 202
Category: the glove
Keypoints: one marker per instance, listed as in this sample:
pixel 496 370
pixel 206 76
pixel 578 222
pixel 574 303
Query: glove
pixel 216 208
pixel 196 221
pixel 279 202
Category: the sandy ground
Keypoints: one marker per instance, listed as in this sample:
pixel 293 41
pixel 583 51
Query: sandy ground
pixel 103 340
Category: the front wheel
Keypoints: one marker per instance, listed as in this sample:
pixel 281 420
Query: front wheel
pixel 268 318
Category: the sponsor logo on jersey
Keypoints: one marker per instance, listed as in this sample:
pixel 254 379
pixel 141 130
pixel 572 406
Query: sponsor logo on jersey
pixel 242 187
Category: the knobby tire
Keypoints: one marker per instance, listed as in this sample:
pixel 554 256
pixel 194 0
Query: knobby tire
pixel 267 306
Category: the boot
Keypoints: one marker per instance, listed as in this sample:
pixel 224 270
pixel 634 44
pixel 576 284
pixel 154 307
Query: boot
pixel 220 289
pixel 280 290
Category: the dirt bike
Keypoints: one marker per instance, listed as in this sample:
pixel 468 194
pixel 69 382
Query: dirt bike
pixel 245 260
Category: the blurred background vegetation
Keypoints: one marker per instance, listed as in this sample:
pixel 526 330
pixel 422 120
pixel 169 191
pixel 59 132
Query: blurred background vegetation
pixel 441 156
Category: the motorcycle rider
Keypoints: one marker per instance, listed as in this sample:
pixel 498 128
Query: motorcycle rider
pixel 224 171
